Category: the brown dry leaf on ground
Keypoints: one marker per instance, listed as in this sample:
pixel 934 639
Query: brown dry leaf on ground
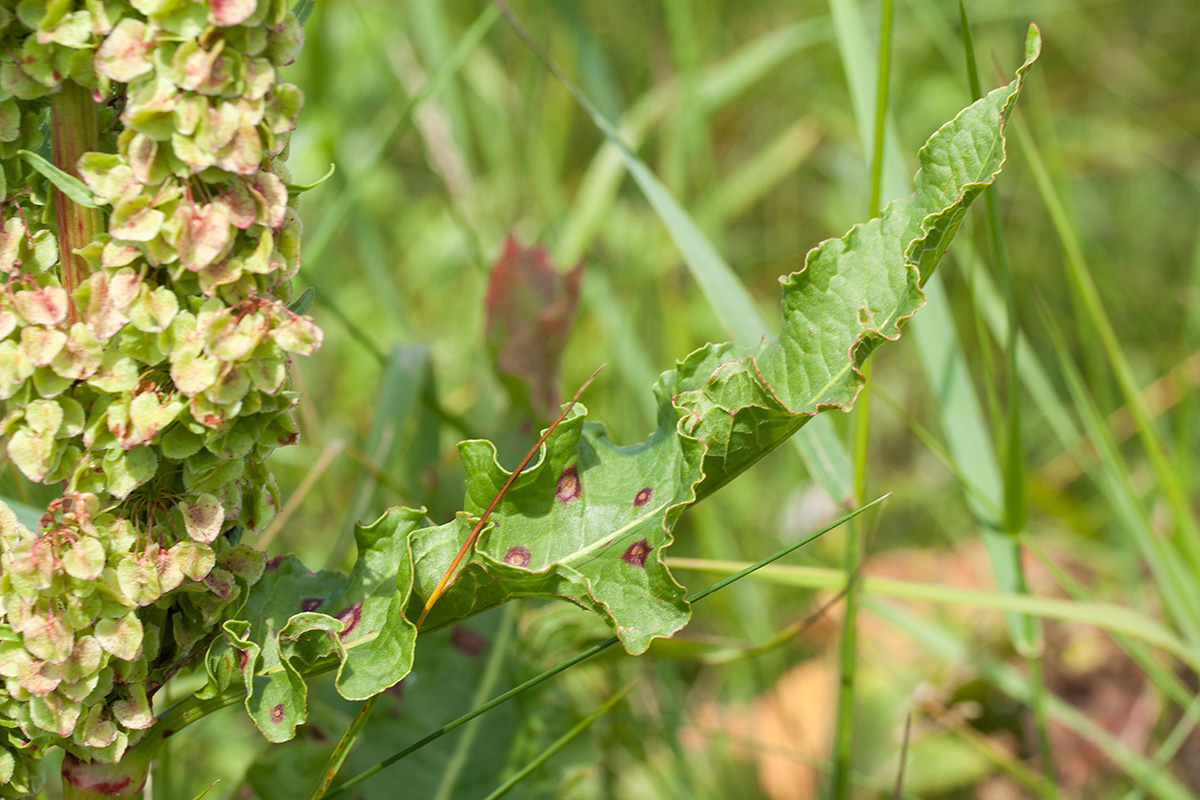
pixel 785 731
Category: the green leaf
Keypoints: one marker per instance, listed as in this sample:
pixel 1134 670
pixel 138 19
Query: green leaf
pixel 589 522
pixel 303 302
pixel 70 186
pixel 294 618
pixel 300 188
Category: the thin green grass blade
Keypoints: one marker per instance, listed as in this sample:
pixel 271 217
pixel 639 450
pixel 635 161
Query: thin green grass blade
pixel 582 656
pixel 1176 584
pixel 728 298
pixel 751 181
pixel 953 649
pixel 500 651
pixel 938 346
pixel 731 303
pixel 1015 496
pixel 574 733
pixel 1171 745
pixel 1187 533
pixel 1163 677
pixel 316 244
pixel 405 377
pixel 844 726
pixel 338 756
pixel 714 88
pixel 430 31
pixel 1106 616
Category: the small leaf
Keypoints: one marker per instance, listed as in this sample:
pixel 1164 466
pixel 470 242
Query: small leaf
pixel 70 186
pixel 304 301
pixel 205 235
pixel 299 188
pixel 529 309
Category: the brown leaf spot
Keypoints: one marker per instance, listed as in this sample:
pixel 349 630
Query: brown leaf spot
pixel 635 554
pixel 467 641
pixel 643 497
pixel 569 487
pixel 273 564
pixel 517 555
pixel 350 619
pixel 311 603
pixel 244 658
pixel 277 713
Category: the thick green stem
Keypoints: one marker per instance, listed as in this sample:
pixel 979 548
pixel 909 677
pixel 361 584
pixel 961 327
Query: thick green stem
pixel 75 124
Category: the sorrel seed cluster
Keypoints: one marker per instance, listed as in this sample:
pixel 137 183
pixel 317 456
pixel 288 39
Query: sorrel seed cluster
pixel 153 394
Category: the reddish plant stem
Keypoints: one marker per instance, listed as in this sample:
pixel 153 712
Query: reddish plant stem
pixel 75 130
pixel 75 126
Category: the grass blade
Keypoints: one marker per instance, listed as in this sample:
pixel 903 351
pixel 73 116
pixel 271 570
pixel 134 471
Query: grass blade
pixel 582 656
pixel 574 733
pixel 843 754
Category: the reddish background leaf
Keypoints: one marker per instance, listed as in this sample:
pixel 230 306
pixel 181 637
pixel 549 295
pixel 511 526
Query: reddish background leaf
pixel 529 310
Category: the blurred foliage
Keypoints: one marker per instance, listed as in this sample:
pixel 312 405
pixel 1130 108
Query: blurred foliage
pixel 743 111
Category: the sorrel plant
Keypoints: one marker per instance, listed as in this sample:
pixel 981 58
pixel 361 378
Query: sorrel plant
pixel 150 234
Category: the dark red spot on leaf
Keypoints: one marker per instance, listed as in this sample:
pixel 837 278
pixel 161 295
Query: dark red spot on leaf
pixel 643 497
pixel 350 619
pixel 244 658
pixel 517 555
pixel 311 603
pixel 635 554
pixel 569 487
pixel 468 641
pixel 277 713
pixel 273 564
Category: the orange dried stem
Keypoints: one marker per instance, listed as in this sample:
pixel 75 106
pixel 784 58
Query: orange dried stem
pixel 469 543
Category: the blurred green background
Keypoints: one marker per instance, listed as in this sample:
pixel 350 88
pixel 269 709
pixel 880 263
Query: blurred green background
pixel 757 117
